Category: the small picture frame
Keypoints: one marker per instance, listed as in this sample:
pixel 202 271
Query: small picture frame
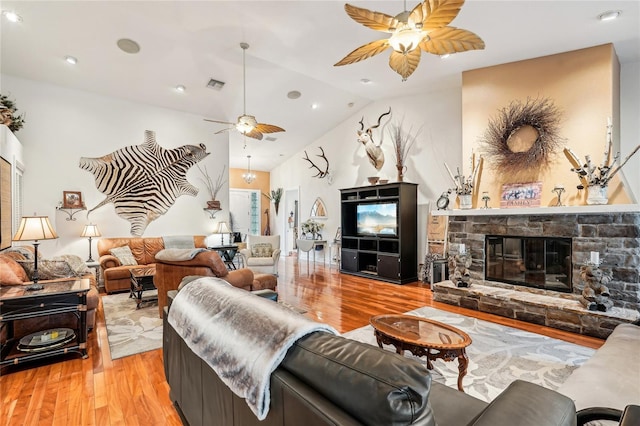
pixel 72 200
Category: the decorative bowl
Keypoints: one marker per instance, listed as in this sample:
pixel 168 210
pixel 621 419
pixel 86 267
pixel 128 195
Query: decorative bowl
pixel 383 181
pixel 373 180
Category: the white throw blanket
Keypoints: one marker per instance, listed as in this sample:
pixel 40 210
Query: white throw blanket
pixel 178 242
pixel 241 336
pixel 178 254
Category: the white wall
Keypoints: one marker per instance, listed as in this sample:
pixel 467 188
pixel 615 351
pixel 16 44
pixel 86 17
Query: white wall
pixel 437 114
pixel 62 125
pixel 630 125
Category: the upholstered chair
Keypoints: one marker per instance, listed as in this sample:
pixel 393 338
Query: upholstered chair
pixel 208 263
pixel 262 253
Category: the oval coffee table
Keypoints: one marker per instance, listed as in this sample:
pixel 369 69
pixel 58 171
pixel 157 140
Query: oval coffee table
pixel 423 337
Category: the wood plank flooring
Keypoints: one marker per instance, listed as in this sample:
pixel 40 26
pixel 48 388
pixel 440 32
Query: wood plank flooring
pixel 99 391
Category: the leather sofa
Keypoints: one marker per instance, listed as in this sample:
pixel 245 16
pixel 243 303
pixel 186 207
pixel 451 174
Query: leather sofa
pixel 116 276
pixel 169 274
pixel 329 380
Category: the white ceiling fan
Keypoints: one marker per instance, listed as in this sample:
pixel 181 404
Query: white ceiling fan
pixel 247 124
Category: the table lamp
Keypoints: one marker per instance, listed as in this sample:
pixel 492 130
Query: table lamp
pixel 90 231
pixel 222 228
pixel 35 228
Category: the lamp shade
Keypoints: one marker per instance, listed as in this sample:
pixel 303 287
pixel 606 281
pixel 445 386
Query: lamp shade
pixel 223 228
pixel 35 228
pixel 91 230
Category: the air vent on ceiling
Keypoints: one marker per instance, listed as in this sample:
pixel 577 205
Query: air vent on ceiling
pixel 270 138
pixel 215 84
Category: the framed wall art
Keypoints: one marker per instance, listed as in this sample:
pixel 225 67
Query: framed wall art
pixel 72 200
pixel 516 195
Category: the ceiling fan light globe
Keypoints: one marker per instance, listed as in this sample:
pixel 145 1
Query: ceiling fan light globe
pixel 246 123
pixel 406 39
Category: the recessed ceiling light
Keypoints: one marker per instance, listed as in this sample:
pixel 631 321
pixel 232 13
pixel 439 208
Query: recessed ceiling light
pixel 71 60
pixel 11 16
pixel 127 45
pixel 180 88
pixel 314 106
pixel 609 15
pixel 294 94
pixel 365 81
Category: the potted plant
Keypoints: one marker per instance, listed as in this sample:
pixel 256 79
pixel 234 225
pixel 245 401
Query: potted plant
pixel 276 196
pixel 212 187
pixel 311 228
pixel 8 114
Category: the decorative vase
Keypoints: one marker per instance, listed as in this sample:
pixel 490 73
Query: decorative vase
pixel 597 194
pixel 465 201
pixel 401 170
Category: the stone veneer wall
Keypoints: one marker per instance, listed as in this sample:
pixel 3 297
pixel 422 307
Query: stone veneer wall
pixel 616 236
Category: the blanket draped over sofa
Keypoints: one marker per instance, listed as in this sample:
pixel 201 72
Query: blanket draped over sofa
pixel 219 324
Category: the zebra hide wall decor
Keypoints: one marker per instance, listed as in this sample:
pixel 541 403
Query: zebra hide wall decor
pixel 143 181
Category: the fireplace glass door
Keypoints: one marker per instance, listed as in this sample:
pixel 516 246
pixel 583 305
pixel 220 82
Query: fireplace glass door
pixel 537 262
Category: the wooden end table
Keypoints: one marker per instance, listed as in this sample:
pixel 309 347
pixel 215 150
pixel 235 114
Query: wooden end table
pixel 141 281
pixel 55 298
pixel 423 337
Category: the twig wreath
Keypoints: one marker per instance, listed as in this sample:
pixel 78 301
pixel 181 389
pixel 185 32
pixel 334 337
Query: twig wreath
pixel 543 116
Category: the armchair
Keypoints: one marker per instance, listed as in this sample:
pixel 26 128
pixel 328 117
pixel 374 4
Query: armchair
pixel 262 253
pixel 169 273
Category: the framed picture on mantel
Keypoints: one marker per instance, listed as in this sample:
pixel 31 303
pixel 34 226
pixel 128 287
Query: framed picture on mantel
pixel 517 195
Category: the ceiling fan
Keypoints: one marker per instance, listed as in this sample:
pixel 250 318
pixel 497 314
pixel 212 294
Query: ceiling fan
pixel 425 27
pixel 247 124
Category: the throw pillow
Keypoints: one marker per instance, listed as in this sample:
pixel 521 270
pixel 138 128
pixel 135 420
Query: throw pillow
pixel 124 255
pixel 48 269
pixel 261 250
pixel 11 273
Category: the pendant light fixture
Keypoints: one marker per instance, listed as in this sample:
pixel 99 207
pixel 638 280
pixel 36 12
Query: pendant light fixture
pixel 249 176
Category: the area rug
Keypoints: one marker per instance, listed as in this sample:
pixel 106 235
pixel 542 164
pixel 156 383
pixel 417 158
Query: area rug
pixel 130 330
pixel 498 355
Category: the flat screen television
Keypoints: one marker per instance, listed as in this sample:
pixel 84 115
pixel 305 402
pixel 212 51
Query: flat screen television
pixel 377 219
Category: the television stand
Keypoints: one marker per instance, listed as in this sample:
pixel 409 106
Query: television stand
pixel 386 253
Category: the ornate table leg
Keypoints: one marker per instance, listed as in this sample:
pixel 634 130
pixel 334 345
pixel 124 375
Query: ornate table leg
pixel 463 362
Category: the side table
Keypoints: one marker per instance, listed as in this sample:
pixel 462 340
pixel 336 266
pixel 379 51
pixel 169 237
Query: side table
pixel 55 298
pixel 97 271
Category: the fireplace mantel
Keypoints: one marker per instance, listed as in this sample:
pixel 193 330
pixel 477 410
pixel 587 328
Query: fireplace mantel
pixel 594 209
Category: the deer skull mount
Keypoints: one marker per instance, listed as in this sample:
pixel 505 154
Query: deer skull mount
pixel 321 173
pixel 365 137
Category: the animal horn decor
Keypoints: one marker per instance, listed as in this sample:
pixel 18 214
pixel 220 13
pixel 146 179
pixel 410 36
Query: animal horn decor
pixel 321 173
pixel 424 28
pixel 143 181
pixel 365 137
pixel 247 124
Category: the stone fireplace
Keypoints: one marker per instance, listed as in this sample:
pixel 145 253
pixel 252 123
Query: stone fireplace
pixel 544 288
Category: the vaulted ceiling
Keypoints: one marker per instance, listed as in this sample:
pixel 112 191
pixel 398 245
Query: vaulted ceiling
pixel 293 46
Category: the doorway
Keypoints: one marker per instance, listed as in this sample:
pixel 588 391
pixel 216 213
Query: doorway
pixel 244 209
pixel 291 203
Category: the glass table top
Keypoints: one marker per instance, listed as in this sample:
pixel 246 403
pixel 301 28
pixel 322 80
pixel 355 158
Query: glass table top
pixel 420 331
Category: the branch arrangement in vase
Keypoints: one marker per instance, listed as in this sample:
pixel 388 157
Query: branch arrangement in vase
pixel 464 185
pixel 592 175
pixel 212 187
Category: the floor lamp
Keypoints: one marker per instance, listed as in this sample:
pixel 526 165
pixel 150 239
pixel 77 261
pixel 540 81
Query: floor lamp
pixel 35 228
pixel 90 231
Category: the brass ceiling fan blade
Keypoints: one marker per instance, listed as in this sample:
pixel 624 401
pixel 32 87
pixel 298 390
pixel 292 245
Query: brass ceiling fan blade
pixel 364 52
pixel 375 20
pixel 268 128
pixel 433 14
pixel 451 40
pixel 404 64
pixel 218 121
pixel 254 134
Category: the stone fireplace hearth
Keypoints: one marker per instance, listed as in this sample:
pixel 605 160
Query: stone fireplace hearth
pixel 613 231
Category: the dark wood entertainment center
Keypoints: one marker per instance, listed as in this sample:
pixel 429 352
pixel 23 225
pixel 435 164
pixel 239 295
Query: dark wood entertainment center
pixel 387 255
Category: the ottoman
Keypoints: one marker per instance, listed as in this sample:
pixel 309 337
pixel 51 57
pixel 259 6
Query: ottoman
pixel 264 281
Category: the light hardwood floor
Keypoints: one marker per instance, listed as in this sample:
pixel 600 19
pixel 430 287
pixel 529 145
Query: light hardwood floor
pixel 132 390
